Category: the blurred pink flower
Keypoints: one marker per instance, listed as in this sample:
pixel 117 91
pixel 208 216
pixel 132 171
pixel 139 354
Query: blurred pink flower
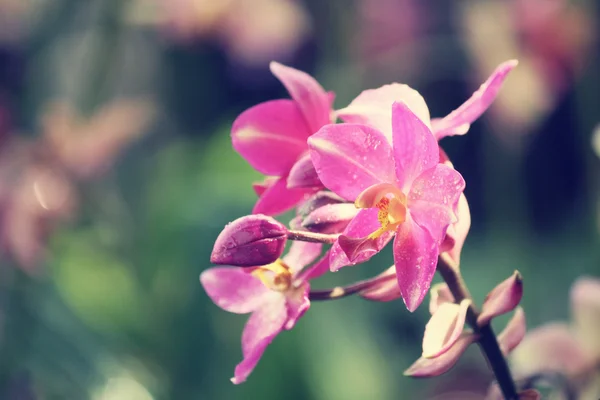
pixel 572 349
pixel 38 178
pixel 252 32
pixel 552 40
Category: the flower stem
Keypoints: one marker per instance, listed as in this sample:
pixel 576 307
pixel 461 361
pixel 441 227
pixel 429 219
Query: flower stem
pixel 306 236
pixel 343 291
pixel 487 338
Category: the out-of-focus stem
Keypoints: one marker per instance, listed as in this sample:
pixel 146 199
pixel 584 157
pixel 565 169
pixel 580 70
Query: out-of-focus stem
pixel 487 338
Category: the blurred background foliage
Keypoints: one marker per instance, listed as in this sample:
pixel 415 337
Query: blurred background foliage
pixel 117 174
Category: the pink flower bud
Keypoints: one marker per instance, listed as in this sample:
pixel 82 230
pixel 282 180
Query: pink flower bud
pixel 319 200
pixel 385 287
pixel 513 333
pixel 250 241
pixel 427 367
pixel 502 299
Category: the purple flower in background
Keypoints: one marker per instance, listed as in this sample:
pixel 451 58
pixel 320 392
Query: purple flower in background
pixel 276 294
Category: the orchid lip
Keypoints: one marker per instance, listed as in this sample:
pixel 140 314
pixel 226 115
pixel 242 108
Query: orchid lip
pixel 275 276
pixel 391 203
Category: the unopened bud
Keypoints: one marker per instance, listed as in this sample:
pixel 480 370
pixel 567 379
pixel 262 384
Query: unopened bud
pixel 250 241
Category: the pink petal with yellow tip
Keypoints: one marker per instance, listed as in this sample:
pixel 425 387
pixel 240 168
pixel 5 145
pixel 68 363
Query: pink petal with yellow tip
pixel 444 328
pixel 234 289
pixel 361 226
pixel 514 332
pixel 310 96
pixel 415 148
pixel 278 199
pixel 428 367
pixel 349 158
pixel 385 287
pixel 459 120
pixel 271 136
pixel 502 299
pixel 260 330
pixel 439 294
pixel 303 174
pixel 415 257
pixel 374 107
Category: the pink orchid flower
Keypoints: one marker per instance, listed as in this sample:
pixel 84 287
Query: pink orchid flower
pixel 276 294
pixel 371 107
pixel 272 136
pixel 402 190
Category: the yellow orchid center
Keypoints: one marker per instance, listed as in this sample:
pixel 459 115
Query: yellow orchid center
pixel 391 203
pixel 276 276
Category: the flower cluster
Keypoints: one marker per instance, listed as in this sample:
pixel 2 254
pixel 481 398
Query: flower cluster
pixel 377 176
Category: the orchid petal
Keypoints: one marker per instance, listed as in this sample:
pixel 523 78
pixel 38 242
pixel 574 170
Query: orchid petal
pixel 494 393
pixel 502 299
pixel 349 158
pixel 459 120
pixel 550 347
pixel 260 187
pixel 444 328
pixel 457 232
pixel 316 270
pixel 415 148
pixel 415 256
pixel 319 199
pixel 332 218
pixel 271 136
pixel 249 241
pixel 384 288
pixel 310 96
pixel 428 367
pixel 585 303
pixel 514 332
pixel 278 198
pixel 301 254
pixel 233 289
pixel 260 330
pixel 297 304
pixel 440 294
pixel 303 174
pixel 433 199
pixel 362 225
pixel 374 107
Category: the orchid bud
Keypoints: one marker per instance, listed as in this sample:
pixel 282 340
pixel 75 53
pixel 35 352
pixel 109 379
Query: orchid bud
pixel 513 333
pixel 331 218
pixel 250 241
pixel 502 299
pixel 444 328
pixel 319 200
pixel 427 367
pixel 384 288
pixel 303 174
